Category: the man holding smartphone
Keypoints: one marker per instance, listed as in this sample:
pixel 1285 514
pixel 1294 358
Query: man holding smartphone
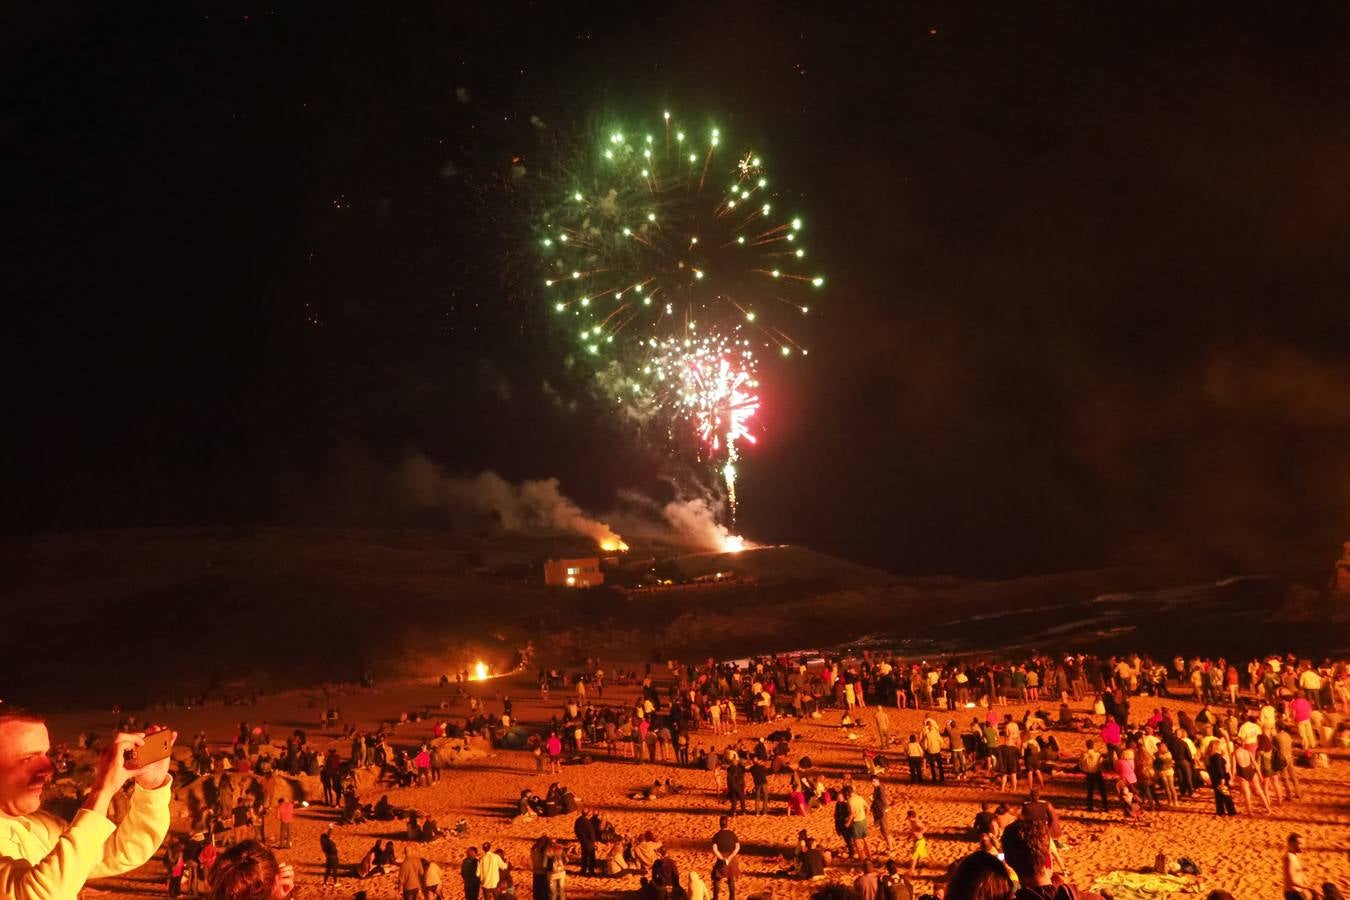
pixel 42 855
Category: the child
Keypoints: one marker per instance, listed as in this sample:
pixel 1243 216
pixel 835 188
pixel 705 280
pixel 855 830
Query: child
pixel 915 828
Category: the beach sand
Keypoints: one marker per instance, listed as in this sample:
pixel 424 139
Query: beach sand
pixel 1242 855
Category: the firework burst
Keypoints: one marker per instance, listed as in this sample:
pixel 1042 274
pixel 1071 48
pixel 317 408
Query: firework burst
pixel 672 258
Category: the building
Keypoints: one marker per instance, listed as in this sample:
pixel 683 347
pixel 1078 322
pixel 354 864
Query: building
pixel 579 573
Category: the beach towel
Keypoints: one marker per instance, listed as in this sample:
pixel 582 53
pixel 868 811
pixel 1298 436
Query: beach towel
pixel 1123 884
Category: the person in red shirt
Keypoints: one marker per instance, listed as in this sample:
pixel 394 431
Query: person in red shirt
pixel 208 855
pixel 423 763
pixel 285 816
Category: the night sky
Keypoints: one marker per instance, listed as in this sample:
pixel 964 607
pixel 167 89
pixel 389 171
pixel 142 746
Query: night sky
pixel 1087 268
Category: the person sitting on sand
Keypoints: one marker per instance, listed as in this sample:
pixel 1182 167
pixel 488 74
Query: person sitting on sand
pixel 1003 817
pixel 1065 722
pixel 812 862
pixel 366 868
pixel 797 805
pixel 646 850
pixel 616 860
pixel 665 877
pixel 430 830
pixel 1296 886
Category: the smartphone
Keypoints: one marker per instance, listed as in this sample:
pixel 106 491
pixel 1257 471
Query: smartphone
pixel 157 745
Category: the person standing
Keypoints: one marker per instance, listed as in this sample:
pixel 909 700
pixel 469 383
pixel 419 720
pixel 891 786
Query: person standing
pixel 759 779
pixel 1300 710
pixel 468 873
pixel 554 862
pixel 841 824
pixel 539 867
pixel 726 859
pixel 857 821
pixel 331 777
pixel 431 879
pixel 410 874
pixel 422 762
pixel 1283 760
pixel 553 747
pixel 957 741
pixel 490 866
pixel 1090 764
pixel 586 837
pixel 330 856
pixel 1217 766
pixel 883 727
pixel 931 738
pixel 879 810
pixel 242 819
pixel 919 856
pixel 736 786
pixel 285 816
pixel 914 756
pixel 261 813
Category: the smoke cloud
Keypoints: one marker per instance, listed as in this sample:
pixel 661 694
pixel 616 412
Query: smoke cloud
pixel 531 506
pixel 696 520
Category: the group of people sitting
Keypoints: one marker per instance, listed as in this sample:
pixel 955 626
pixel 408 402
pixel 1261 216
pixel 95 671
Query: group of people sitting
pixel 558 800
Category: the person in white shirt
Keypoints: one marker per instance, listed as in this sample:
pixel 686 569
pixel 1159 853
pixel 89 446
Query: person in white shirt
pixel 490 866
pixel 1249 733
pixel 1296 885
pixel 43 856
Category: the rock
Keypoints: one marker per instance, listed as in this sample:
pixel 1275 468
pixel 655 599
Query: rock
pixel 453 751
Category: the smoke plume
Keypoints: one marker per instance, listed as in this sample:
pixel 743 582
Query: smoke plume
pixel 696 520
pixel 530 506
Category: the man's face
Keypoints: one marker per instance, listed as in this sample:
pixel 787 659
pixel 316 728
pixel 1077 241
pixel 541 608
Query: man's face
pixel 24 767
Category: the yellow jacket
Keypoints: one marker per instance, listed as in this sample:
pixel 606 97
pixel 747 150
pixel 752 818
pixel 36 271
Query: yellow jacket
pixel 44 858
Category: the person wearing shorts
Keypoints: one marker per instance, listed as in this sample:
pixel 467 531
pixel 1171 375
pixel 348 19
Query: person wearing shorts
pixel 920 854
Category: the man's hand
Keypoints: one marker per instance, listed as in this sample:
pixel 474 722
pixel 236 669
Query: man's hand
pixel 110 772
pixel 156 774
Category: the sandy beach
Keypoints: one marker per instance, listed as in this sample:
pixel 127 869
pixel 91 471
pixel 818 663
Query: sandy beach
pixel 1242 854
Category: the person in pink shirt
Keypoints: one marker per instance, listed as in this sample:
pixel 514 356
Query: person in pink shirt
pixel 1125 770
pixel 1111 738
pixel 1300 710
pixel 553 747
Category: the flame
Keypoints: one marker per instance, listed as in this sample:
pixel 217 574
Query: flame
pixel 732 543
pixel 480 671
pixel 613 544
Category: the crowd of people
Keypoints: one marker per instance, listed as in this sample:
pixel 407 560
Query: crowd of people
pixel 983 722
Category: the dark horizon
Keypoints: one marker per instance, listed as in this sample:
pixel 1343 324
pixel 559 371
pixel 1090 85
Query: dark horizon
pixel 1086 271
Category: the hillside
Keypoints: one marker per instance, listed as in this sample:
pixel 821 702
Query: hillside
pixel 147 615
